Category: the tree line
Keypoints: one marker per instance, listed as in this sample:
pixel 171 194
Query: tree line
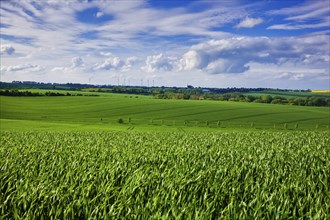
pixel 15 92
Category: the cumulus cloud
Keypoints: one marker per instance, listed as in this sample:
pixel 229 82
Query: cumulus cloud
pixel 99 14
pixel 77 62
pixel 233 55
pixel 249 22
pixel 194 59
pixel 227 66
pixel 159 63
pixel 7 49
pixel 130 62
pixel 109 64
pixel 23 67
pixel 217 56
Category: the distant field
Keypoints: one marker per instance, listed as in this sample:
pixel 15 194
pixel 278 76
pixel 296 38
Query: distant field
pixel 291 94
pixel 103 112
pixel 321 91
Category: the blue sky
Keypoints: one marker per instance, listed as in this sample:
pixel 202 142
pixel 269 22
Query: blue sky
pixel 278 44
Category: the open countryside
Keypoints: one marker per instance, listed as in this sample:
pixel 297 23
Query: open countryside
pixel 124 155
pixel 146 109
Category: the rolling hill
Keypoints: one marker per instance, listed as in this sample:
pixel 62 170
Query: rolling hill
pixel 104 111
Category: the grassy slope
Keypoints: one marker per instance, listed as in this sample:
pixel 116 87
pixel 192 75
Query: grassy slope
pixel 102 112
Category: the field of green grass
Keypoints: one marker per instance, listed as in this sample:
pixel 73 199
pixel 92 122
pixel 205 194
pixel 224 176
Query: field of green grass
pixel 67 157
pixel 102 112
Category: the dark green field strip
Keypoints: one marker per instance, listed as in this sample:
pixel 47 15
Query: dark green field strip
pixel 324 120
pixel 288 94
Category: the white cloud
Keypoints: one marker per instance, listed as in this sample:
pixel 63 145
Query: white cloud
pixel 291 26
pixel 159 63
pixel 226 66
pixel 290 76
pixel 58 69
pixel 130 62
pixel 233 55
pixel 23 67
pixel 133 24
pixel 109 64
pixel 172 45
pixel 99 14
pixel 77 62
pixel 218 56
pixel 299 16
pixel 249 22
pixel 320 12
pixel 7 49
pixel 43 26
pixel 309 9
pixel 192 59
pixel 287 75
pixel 106 54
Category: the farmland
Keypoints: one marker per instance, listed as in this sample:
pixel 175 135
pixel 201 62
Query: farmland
pixel 68 157
pixel 102 113
pixel 169 175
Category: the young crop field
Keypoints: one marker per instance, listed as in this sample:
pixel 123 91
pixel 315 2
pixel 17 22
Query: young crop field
pixel 165 175
pixel 104 111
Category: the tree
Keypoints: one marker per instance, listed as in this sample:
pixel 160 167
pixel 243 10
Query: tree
pixel 266 99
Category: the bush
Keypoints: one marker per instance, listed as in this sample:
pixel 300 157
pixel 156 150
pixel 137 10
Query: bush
pixel 121 121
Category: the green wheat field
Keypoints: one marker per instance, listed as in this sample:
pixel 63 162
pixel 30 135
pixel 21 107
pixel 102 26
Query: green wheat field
pixel 136 157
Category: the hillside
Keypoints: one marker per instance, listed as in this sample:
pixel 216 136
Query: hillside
pixel 105 110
